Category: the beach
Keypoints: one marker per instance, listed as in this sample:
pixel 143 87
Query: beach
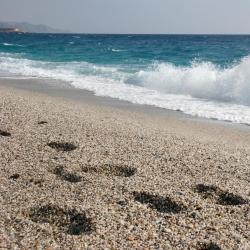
pixel 86 172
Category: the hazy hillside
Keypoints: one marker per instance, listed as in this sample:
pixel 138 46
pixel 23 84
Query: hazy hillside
pixel 27 27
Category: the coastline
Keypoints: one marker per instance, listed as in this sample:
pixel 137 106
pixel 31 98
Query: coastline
pixel 139 177
pixel 175 122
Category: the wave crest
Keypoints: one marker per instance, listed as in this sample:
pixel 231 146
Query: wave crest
pixel 11 44
pixel 192 90
pixel 201 80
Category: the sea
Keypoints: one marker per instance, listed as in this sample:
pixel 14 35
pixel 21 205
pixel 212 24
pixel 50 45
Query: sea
pixel 201 75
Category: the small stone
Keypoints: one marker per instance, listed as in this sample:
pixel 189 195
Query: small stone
pixel 14 176
pixel 130 237
pixel 198 207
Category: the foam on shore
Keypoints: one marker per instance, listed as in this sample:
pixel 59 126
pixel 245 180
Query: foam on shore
pixel 202 89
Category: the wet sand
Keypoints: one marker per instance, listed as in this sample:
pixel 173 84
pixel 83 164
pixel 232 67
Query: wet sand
pixel 94 173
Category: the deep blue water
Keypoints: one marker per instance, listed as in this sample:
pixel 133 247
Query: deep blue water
pixel 204 75
pixel 136 49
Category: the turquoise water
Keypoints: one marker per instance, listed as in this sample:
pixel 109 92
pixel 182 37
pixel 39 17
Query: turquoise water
pixel 201 75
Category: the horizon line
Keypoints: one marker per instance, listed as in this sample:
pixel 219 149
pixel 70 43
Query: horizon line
pixel 138 34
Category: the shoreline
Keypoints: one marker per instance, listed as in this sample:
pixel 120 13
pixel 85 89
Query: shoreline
pixel 180 123
pixel 87 174
pixel 56 88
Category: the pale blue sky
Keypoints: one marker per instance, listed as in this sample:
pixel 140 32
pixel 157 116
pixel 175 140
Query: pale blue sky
pixel 133 16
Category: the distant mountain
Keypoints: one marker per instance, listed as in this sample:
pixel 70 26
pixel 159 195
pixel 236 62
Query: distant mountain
pixel 31 28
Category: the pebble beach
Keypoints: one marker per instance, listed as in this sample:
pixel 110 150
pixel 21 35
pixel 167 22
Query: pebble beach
pixel 79 175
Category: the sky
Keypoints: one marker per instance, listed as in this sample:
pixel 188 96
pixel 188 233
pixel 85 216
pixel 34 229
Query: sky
pixel 133 16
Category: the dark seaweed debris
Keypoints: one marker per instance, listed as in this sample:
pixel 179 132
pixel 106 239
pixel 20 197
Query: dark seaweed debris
pixel 5 133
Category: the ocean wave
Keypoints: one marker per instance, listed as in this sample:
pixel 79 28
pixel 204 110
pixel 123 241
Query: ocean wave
pixel 202 89
pixel 8 44
pixel 11 44
pixel 116 50
pixel 201 80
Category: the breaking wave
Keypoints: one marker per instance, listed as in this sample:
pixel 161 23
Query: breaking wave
pixel 201 80
pixel 202 89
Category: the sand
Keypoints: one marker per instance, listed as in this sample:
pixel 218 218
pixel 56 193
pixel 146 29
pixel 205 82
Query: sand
pixel 77 174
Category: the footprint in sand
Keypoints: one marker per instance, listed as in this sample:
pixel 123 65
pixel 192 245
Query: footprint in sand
pixel 208 246
pixel 69 222
pixel 219 196
pixel 4 133
pixel 66 176
pixel 230 199
pixel 111 170
pixel 62 146
pixel 205 190
pixel 161 204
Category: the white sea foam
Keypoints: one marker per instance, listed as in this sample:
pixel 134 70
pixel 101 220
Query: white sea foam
pixel 202 90
pixel 11 44
pixel 8 44
pixel 201 80
pixel 116 50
